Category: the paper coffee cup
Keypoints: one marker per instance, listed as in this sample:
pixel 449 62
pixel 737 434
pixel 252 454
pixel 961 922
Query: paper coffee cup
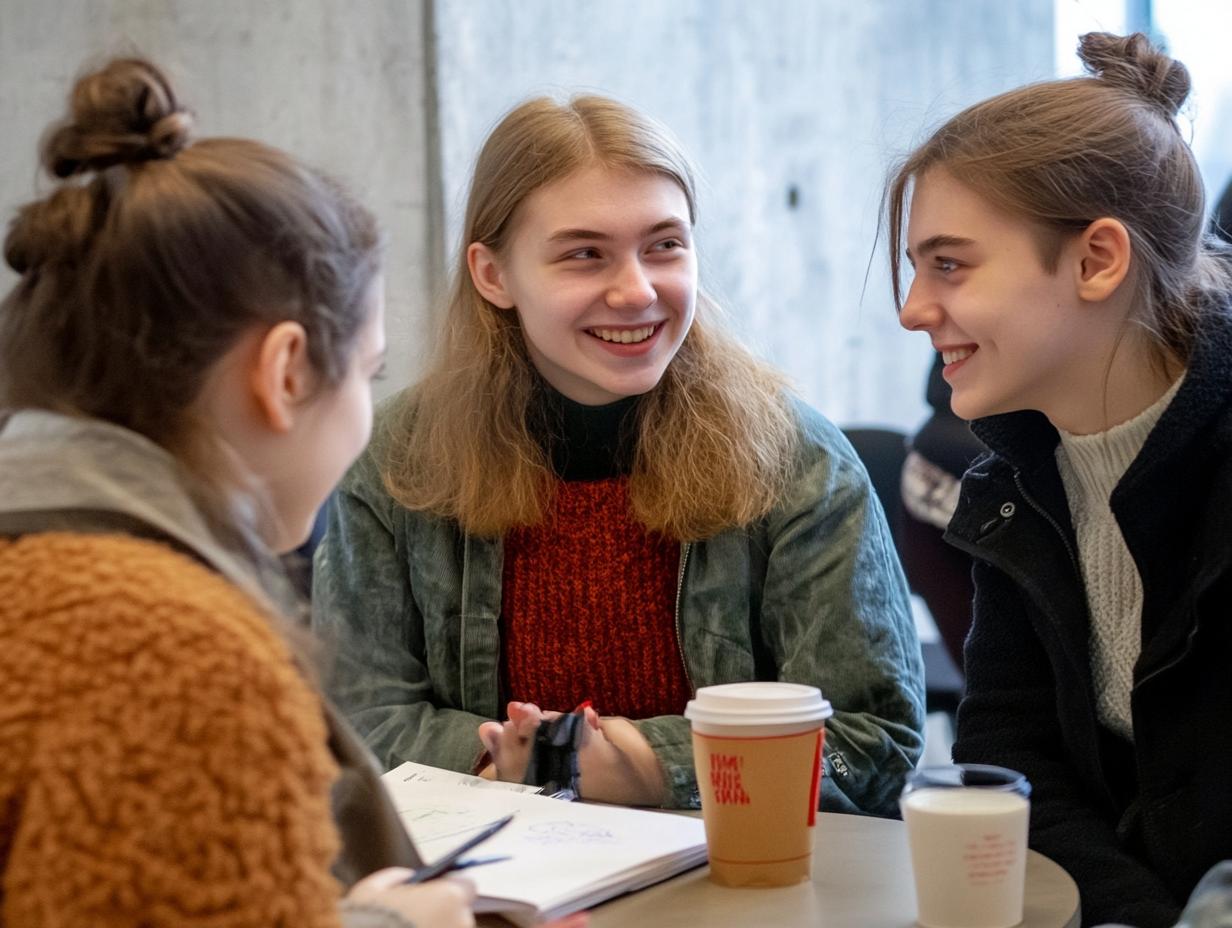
pixel 967 828
pixel 757 752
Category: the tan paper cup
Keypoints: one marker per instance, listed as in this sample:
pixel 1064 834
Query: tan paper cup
pixel 757 751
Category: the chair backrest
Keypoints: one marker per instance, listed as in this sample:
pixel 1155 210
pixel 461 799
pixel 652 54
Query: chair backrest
pixel 883 452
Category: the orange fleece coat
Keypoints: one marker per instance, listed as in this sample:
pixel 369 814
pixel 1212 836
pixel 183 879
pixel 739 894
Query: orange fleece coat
pixel 162 762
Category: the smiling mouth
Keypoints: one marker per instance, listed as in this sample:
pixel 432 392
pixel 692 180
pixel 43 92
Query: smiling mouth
pixel 957 354
pixel 625 336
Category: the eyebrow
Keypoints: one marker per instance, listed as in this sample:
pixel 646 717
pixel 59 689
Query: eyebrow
pixel 589 235
pixel 937 242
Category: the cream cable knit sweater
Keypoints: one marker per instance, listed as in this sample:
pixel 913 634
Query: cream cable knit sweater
pixel 1091 466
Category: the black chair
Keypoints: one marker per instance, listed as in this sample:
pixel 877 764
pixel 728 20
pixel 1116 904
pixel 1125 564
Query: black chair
pixel 883 452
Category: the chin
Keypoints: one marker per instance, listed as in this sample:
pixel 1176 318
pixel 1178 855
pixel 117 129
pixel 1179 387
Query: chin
pixel 289 539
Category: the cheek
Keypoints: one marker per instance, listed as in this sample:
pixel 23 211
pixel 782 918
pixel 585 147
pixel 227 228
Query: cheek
pixel 361 410
pixel 349 424
pixel 679 290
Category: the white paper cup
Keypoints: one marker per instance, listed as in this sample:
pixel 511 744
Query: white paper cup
pixel 757 750
pixel 967 827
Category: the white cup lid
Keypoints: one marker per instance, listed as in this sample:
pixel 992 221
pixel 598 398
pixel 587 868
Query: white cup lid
pixel 758 703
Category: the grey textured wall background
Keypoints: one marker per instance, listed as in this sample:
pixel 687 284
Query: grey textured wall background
pixel 341 85
pixel 768 97
pixel 810 96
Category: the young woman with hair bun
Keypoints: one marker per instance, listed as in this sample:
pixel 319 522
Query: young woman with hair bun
pixel 184 374
pixel 596 494
pixel 1061 269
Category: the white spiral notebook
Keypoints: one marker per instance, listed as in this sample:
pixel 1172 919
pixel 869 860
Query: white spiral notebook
pixel 563 856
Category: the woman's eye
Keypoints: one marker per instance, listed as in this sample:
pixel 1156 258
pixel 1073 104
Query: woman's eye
pixel 583 253
pixel 946 265
pixel 669 244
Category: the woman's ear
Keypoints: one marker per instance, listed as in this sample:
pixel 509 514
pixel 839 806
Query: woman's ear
pixel 1103 256
pixel 282 376
pixel 487 275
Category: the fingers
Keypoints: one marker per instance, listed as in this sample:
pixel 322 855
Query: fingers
pixel 463 883
pixel 380 881
pixel 490 736
pixel 525 716
pixel 443 903
pixel 509 743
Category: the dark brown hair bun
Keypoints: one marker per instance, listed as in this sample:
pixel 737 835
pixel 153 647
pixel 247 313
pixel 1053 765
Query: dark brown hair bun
pixel 1133 63
pixel 126 112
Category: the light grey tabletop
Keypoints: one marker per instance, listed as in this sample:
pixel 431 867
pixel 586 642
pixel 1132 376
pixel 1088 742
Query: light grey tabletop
pixel 861 877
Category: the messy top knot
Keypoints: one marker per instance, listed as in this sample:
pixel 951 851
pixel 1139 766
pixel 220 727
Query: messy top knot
pixel 140 271
pixel 1132 62
pixel 1060 154
pixel 126 112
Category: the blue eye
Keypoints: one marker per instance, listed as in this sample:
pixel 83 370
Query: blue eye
pixel 946 265
pixel 668 244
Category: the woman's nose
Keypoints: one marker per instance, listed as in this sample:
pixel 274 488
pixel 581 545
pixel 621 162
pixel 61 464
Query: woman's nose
pixel 920 311
pixel 631 289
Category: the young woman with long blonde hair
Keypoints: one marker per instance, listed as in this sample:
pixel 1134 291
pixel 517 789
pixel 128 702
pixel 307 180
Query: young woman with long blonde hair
pixel 596 494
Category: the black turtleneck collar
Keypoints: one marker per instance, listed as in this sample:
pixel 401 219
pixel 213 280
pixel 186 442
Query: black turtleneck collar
pixel 586 442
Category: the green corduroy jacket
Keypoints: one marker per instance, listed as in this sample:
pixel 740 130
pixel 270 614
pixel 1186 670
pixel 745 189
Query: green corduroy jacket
pixel 811 593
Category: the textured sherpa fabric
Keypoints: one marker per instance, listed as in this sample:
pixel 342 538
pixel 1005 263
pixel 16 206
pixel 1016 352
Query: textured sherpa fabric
pixel 163 762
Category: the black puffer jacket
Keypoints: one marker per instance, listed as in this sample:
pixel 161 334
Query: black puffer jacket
pixel 1135 825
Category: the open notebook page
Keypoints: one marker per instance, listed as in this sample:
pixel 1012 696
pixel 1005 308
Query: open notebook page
pixel 564 856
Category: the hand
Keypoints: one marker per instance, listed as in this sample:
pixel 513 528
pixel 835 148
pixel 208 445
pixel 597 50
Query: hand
pixel 615 763
pixel 441 903
pixel 509 744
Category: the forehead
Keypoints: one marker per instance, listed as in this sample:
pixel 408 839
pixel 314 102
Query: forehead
pixel 938 200
pixel 941 205
pixel 604 199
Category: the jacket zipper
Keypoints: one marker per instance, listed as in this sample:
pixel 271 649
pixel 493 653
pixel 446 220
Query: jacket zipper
pixel 1184 653
pixel 1069 549
pixel 684 560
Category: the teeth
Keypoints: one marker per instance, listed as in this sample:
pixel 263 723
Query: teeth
pixel 949 357
pixel 624 336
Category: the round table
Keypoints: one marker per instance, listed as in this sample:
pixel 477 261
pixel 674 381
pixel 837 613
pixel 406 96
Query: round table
pixel 861 877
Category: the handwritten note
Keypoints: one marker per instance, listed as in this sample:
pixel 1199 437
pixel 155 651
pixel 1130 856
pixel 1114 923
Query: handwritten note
pixel 564 856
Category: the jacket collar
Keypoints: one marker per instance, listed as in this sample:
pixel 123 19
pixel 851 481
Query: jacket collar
pixel 1156 502
pixel 51 462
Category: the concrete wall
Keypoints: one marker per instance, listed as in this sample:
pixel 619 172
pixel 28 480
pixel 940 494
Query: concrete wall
pixel 769 97
pixel 810 96
pixel 342 85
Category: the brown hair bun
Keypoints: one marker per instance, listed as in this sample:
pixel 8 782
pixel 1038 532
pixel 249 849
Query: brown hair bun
pixel 126 112
pixel 1133 63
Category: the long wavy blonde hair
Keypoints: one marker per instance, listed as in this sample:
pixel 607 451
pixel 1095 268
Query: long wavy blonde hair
pixel 715 438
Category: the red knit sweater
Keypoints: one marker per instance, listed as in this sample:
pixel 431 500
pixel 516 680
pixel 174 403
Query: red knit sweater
pixel 588 608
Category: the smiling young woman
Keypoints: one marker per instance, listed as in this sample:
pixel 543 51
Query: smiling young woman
pixel 1056 232
pixel 597 494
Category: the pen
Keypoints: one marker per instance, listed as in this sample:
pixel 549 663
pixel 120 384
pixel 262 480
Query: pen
pixel 453 860
pixel 480 861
